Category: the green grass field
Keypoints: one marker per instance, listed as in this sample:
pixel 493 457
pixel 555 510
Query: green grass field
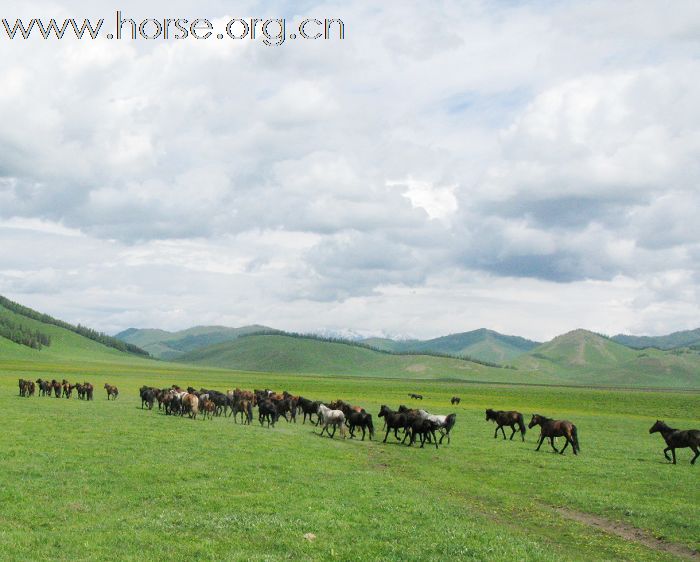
pixel 106 480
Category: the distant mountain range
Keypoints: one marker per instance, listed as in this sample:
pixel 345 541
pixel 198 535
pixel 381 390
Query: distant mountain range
pixel 686 338
pixel 482 345
pixel 171 345
pixel 579 357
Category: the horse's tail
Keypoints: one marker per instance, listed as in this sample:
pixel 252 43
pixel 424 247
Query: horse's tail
pixel 521 424
pixel 370 425
pixel 450 422
pixel 574 436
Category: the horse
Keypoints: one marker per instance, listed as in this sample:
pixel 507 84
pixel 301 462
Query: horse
pixel 88 390
pixel 363 420
pixel 267 411
pixel 443 423
pixel 328 417
pixel 308 408
pixel 510 418
pixel 190 405
pixel 111 391
pixel 208 409
pixel 22 387
pixel 148 396
pixel 677 439
pixel 416 396
pixel 455 400
pixel 394 420
pixel 424 427
pixel 44 387
pixel 556 428
pixel 57 389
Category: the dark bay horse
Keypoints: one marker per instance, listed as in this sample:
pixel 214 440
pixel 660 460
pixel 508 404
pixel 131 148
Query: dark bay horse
pixel 510 418
pixel 455 400
pixel 677 439
pixel 556 428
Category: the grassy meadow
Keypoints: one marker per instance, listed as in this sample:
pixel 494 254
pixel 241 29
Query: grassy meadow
pixel 106 480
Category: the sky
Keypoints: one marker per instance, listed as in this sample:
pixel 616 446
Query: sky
pixel 529 167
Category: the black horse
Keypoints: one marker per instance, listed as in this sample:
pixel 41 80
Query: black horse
pixel 424 428
pixel 363 420
pixel 416 396
pixel 455 400
pixel 677 439
pixel 510 418
pixel 308 408
pixel 394 420
pixel 267 411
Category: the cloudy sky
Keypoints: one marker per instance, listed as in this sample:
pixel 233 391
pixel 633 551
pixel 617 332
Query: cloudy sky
pixel 526 167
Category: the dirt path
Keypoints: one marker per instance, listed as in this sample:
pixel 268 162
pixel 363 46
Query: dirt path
pixel 629 533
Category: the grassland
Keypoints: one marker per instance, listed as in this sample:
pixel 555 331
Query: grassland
pixel 106 480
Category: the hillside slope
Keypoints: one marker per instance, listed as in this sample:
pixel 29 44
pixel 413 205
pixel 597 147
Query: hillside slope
pixel 685 338
pixel 171 345
pixel 65 344
pixel 283 353
pixel 582 357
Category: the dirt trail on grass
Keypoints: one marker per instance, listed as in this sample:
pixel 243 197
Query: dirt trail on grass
pixel 630 533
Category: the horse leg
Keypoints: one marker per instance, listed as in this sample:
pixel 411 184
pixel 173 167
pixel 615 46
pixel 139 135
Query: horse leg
pixel 513 433
pixel 495 433
pixel 540 443
pixel 551 442
pixel 334 428
pixel 666 450
pixel 503 431
pixel 566 444
pixel 434 439
pixel 387 434
pixel 363 432
pixel 696 450
pixel 673 452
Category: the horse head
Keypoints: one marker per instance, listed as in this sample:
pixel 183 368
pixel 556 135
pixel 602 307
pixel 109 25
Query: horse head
pixel 660 425
pixel 536 420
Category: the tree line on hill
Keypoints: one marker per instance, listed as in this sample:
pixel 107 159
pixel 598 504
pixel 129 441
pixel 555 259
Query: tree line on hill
pixel 22 335
pixel 89 333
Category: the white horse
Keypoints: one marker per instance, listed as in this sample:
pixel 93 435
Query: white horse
pixel 336 418
pixel 445 423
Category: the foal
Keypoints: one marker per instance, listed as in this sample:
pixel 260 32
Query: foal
pixel 676 439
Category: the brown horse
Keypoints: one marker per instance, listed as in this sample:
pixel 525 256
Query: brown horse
pixel 112 391
pixel 556 428
pixel 510 418
pixel 677 439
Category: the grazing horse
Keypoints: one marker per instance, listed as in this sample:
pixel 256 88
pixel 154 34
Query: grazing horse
pixel 22 387
pixel 677 439
pixel 363 420
pixel 328 417
pixel 416 396
pixel 393 420
pixel 510 418
pixel 455 400
pixel 111 391
pixel 556 428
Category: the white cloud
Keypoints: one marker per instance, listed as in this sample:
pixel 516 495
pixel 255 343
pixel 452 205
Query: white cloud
pixel 431 156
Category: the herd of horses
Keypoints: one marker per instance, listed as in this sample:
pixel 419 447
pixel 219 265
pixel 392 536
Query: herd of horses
pixel 63 389
pixel 407 424
pixel 334 416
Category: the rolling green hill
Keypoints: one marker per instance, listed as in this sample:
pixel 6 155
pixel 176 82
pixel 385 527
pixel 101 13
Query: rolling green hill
pixel 289 354
pixel 685 338
pixel 482 344
pixel 65 344
pixel 582 357
pixel 171 345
